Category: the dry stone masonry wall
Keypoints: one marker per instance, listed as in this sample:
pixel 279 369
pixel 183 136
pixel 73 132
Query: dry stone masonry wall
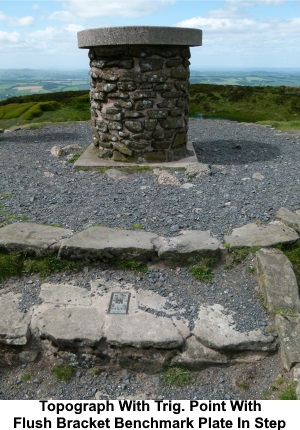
pixel 139 91
pixel 139 102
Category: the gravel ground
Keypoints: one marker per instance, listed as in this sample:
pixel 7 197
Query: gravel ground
pixel 36 185
pixel 47 189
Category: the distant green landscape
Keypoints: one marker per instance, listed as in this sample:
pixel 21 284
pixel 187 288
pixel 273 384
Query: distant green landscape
pixel 15 82
pixel 275 106
pixel 20 82
pixel 67 99
pixel 274 78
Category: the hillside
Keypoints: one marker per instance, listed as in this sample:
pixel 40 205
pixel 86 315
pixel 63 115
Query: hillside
pixel 277 106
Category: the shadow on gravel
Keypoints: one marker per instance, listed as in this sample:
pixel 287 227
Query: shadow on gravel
pixel 43 136
pixel 234 151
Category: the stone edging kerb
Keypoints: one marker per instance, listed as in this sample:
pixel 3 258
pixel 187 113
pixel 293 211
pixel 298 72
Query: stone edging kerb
pixel 139 35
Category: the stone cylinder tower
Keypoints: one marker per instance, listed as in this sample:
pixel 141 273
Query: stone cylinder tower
pixel 139 91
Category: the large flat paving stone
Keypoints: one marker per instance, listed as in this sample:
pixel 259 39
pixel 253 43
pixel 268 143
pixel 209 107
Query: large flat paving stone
pixel 14 324
pixel 215 328
pixel 289 218
pixel 277 280
pixel 142 331
pixel 103 243
pixel 36 238
pixel 69 326
pixel 65 294
pixel 187 247
pixel 289 334
pixel 261 235
pixel 197 356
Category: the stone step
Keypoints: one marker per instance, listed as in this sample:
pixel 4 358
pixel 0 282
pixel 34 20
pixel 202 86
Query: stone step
pixel 74 317
pixel 277 281
pixel 289 218
pixel 36 239
pixel 251 235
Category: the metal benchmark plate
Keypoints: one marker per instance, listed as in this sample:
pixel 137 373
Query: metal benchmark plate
pixel 119 303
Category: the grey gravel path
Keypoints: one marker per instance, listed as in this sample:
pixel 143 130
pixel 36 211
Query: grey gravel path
pixel 47 189
pixel 43 188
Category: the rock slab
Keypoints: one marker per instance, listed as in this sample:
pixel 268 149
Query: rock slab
pixel 107 243
pixel 289 333
pixel 277 280
pixel 187 247
pixel 14 324
pixel 260 235
pixel 215 329
pixel 142 331
pixel 289 218
pixel 34 238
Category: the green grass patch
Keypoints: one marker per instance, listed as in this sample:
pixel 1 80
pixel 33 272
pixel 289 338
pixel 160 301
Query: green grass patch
pixel 201 272
pixel 177 376
pixel 286 313
pixel 137 226
pixel 5 195
pixel 134 266
pixel 16 264
pixel 65 372
pixel 26 377
pixel 289 393
pixel 51 107
pixel 276 106
pixel 75 157
pixel 10 265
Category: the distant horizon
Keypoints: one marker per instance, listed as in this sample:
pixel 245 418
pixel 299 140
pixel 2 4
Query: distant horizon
pixel 205 68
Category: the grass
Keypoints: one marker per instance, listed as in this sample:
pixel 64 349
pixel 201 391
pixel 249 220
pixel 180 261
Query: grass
pixel 284 313
pixel 137 226
pixel 75 157
pixel 64 372
pixel 177 375
pixel 133 266
pixel 16 264
pixel 275 106
pixel 5 195
pixel 243 385
pixel 6 217
pixel 282 389
pixel 202 272
pixel 289 393
pixel 40 108
pixel 26 377
pixel 238 255
pixel 278 107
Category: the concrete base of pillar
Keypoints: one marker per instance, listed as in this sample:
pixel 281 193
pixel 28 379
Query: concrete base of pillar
pixel 90 159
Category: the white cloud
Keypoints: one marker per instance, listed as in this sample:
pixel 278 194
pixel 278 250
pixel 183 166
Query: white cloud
pixel 238 8
pixel 231 26
pixel 13 21
pixel 35 6
pixel 102 8
pixel 9 37
pixel 25 21
pixel 53 40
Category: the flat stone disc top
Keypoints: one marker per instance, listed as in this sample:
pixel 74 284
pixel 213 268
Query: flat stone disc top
pixel 139 36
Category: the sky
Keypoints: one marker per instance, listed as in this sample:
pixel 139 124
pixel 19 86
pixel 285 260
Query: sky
pixel 259 34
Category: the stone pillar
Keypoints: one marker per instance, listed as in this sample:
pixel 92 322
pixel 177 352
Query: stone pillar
pixel 139 91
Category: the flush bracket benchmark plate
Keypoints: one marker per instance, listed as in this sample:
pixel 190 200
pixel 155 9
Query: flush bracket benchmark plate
pixel 119 303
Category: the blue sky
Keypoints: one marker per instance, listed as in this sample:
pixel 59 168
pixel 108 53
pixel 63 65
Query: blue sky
pixel 257 34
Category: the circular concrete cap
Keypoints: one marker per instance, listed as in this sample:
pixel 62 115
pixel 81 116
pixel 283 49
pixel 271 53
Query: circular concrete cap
pixel 113 36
